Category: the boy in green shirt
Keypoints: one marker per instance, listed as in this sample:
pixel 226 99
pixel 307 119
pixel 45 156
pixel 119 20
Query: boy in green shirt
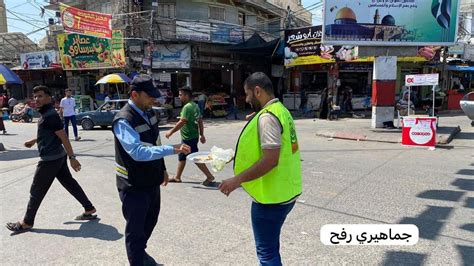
pixel 192 129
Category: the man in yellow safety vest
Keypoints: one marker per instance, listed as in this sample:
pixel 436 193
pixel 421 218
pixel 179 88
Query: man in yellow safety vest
pixel 267 165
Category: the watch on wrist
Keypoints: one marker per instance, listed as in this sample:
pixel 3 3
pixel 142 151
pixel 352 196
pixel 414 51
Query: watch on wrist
pixel 72 157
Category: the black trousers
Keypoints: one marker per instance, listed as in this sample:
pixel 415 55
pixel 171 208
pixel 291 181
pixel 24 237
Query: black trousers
pixel 45 173
pixel 140 210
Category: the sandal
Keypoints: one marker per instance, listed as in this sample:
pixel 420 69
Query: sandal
pixel 17 227
pixel 85 216
pixel 174 180
pixel 207 182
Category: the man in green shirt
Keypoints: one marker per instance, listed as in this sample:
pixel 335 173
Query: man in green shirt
pixel 192 130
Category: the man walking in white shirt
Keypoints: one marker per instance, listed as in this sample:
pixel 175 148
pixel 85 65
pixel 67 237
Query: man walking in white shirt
pixel 68 112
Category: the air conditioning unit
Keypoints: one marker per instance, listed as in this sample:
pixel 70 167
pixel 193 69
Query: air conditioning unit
pixel 54 28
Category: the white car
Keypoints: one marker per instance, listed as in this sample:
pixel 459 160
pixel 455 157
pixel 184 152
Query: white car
pixel 467 105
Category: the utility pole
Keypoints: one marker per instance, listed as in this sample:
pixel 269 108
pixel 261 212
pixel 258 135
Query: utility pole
pixel 151 43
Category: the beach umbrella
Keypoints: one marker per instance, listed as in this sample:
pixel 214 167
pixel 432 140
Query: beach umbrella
pixel 115 78
pixel 9 76
pixel 2 80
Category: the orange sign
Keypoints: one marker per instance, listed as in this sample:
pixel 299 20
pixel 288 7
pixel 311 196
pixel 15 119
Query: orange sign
pixel 86 22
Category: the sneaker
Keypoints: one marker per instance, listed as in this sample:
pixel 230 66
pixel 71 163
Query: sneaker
pixel 77 139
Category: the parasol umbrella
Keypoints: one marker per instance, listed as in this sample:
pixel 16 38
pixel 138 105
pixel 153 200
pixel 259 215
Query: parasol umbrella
pixel 116 78
pixel 9 76
pixel 2 80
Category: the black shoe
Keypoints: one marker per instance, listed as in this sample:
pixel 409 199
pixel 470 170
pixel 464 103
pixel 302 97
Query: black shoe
pixel 149 260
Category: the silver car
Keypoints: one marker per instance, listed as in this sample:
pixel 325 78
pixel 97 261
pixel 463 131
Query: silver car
pixel 104 115
pixel 467 105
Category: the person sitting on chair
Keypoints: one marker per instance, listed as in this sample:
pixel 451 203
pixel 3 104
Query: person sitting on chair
pixel 402 105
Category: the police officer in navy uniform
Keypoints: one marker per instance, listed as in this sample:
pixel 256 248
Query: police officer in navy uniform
pixel 140 167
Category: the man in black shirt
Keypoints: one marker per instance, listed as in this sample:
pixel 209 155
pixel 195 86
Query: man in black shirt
pixel 54 149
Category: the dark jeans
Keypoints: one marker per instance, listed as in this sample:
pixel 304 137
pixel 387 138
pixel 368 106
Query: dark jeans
pixel 140 210
pixel 73 122
pixel 267 221
pixel 45 173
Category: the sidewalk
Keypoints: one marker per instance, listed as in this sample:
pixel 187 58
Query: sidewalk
pixel 360 129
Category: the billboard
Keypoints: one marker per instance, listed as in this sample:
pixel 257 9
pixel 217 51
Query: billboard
pixel 78 52
pixel 86 22
pixel 40 60
pixel 390 22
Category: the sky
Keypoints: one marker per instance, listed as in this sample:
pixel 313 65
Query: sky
pixel 24 16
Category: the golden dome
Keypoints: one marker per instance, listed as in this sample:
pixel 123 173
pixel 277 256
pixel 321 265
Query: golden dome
pixel 345 13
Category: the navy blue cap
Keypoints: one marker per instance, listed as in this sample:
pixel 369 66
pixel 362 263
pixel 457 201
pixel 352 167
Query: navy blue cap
pixel 144 83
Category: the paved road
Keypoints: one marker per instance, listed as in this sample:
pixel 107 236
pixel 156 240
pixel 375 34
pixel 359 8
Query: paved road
pixel 344 182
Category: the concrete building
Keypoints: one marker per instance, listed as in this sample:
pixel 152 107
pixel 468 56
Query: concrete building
pixel 189 39
pixel 3 17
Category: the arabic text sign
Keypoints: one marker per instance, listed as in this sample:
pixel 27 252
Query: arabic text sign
pixel 79 51
pixel 303 47
pixel 86 22
pixel 422 80
pixel 369 234
pixel 172 56
pixel 40 60
pixel 390 22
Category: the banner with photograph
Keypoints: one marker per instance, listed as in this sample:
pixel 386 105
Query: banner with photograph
pixel 40 60
pixel 303 46
pixel 78 52
pixel 86 22
pixel 390 22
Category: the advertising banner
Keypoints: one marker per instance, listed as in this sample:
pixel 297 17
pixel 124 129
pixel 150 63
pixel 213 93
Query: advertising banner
pixel 390 22
pixel 174 56
pixel 78 52
pixel 419 131
pixel 224 33
pixel 194 31
pixel 86 22
pixel 422 80
pixel 303 46
pixel 40 60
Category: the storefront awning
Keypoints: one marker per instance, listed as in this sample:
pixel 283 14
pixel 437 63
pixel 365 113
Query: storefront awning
pixel 257 46
pixel 461 68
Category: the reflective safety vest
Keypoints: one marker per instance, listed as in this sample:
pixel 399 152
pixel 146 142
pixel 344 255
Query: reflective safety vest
pixel 282 183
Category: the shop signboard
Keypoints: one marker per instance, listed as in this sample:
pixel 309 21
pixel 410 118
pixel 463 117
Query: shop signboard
pixel 193 31
pixel 172 56
pixel 303 47
pixel 419 131
pixel 421 80
pixel 86 22
pixel 78 52
pixel 225 33
pixel 40 60
pixel 390 22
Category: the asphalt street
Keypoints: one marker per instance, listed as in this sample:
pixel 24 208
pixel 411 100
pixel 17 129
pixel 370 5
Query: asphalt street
pixel 344 182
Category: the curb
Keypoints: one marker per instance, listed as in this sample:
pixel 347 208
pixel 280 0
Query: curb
pixel 441 139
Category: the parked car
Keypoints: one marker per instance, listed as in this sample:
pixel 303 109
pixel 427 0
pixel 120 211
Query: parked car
pixel 467 105
pixel 104 115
